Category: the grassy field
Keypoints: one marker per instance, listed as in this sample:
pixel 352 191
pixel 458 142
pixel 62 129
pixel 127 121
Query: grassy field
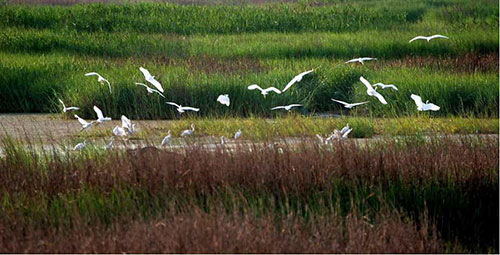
pixel 198 52
pixel 404 182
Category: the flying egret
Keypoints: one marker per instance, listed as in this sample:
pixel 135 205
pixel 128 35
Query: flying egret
pixel 224 99
pixel 360 60
pixel 119 131
pixel 237 134
pixel 428 38
pixel 344 129
pixel 188 131
pixel 297 78
pixel 182 109
pixel 371 91
pixel 100 116
pixel 99 79
pixel 347 105
pixel 264 91
pixel 385 86
pixel 128 126
pixel 150 90
pixel 166 139
pixel 151 79
pixel 424 107
pixel 84 123
pixel 286 107
pixel 80 145
pixel 65 109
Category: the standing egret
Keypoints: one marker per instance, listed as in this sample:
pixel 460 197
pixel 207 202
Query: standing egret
pixel 224 99
pixel 297 78
pixel 65 109
pixel 347 105
pixel 286 107
pixel 99 79
pixel 84 123
pixel 80 145
pixel 385 86
pixel 182 109
pixel 151 79
pixel 150 90
pixel 424 107
pixel 371 91
pixel 428 38
pixel 360 60
pixel 166 139
pixel 188 131
pixel 264 91
pixel 100 116
pixel 237 134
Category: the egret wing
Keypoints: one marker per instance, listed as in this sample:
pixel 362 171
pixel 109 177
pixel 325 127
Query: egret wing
pixel 356 104
pixel 155 83
pixel 254 86
pixel 190 108
pixel 82 121
pixel 294 105
pixel 273 89
pixel 438 36
pixel 278 107
pixel 145 72
pixel 174 104
pixel 431 106
pixel 126 122
pixel 92 73
pixel 338 101
pixel 417 99
pixel 353 60
pixel 418 38
pixel 98 112
pixel 367 83
pixel 379 97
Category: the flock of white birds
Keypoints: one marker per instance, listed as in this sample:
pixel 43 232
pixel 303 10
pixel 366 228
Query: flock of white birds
pixel 128 128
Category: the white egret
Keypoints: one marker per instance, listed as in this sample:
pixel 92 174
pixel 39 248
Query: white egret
pixel 385 86
pixel 344 129
pixel 65 109
pixel 128 126
pixel 166 139
pixel 109 146
pixel 188 131
pixel 224 99
pixel 424 107
pixel 100 116
pixel 80 146
pixel 151 79
pixel 428 38
pixel 346 133
pixel 182 109
pixel 286 107
pixel 119 131
pixel 237 134
pixel 84 123
pixel 347 105
pixel 360 60
pixel 371 91
pixel 264 92
pixel 99 79
pixel 150 90
pixel 297 78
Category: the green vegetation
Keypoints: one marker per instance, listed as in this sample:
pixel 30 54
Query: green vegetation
pixel 200 51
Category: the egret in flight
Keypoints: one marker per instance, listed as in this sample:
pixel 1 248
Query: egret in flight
pixel 264 92
pixel 371 91
pixel 428 38
pixel 385 86
pixel 286 107
pixel 84 123
pixel 347 105
pixel 150 90
pixel 297 78
pixel 224 99
pixel 128 126
pixel 424 107
pixel 166 139
pixel 99 79
pixel 151 79
pixel 65 109
pixel 119 131
pixel 188 131
pixel 360 60
pixel 182 109
pixel 100 116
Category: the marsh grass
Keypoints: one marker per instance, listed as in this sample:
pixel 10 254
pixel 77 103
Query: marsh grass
pixel 451 183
